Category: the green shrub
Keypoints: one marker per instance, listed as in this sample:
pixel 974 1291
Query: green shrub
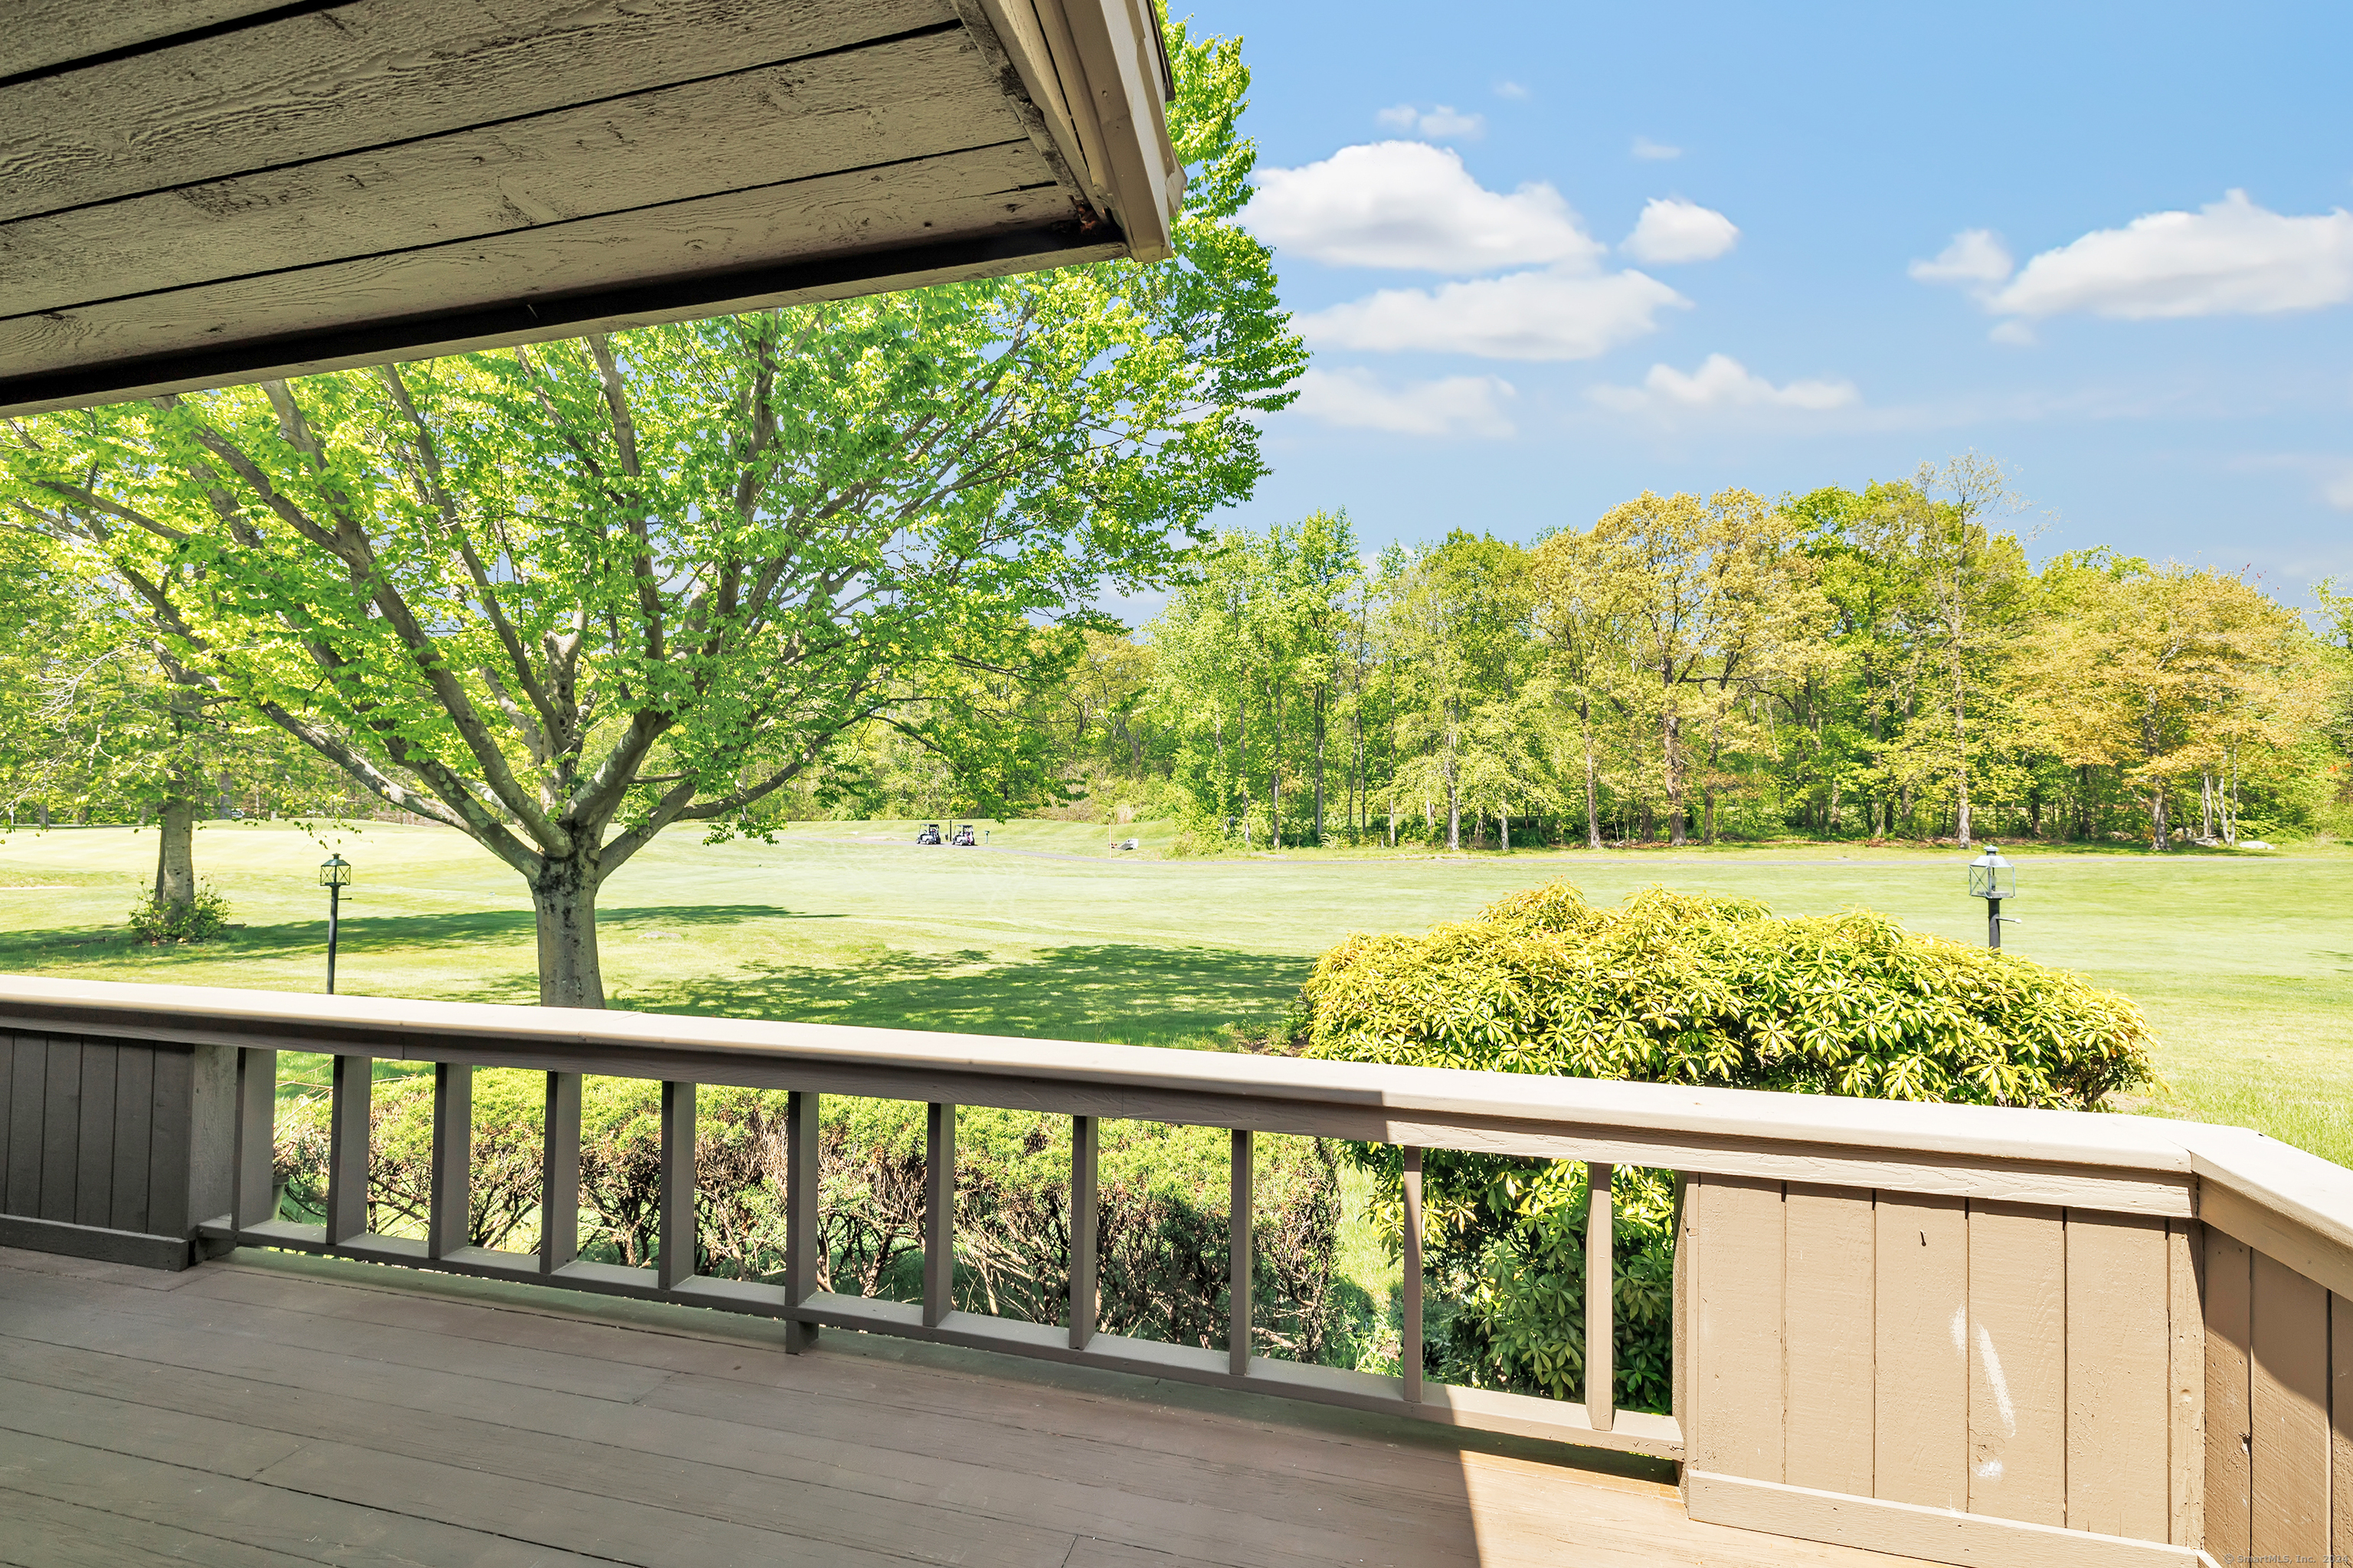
pixel 1700 989
pixel 1672 988
pixel 1162 1197
pixel 202 918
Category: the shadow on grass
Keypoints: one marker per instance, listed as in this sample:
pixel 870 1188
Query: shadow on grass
pixel 385 933
pixel 1108 991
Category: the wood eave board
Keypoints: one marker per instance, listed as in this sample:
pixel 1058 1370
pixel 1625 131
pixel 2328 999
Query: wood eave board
pixel 381 178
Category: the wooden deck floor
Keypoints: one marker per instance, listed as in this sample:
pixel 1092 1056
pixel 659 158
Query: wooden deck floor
pixel 282 1411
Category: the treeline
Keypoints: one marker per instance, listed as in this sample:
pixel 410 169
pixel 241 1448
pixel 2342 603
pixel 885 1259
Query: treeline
pixel 1881 662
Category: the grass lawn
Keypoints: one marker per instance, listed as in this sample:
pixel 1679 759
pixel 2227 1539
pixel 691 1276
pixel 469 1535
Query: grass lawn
pixel 2242 963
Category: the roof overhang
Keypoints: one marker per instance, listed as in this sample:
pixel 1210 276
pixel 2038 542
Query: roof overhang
pixel 195 193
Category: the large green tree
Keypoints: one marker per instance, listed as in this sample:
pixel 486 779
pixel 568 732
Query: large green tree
pixel 564 597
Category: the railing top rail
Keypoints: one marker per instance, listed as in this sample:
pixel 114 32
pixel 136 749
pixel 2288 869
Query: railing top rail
pixel 1029 1071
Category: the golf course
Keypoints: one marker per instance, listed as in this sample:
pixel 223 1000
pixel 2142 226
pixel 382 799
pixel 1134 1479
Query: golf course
pixel 2240 961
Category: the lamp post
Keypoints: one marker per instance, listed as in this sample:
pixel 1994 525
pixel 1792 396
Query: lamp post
pixel 335 874
pixel 1992 879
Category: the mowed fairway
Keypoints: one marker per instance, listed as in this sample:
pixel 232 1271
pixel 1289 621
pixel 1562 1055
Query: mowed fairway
pixel 2243 963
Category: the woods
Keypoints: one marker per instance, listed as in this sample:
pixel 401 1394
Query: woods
pixel 1880 663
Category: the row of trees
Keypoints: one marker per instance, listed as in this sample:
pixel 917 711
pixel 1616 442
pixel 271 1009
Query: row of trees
pixel 1881 662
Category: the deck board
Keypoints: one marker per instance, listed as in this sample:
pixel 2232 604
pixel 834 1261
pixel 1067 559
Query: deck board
pixel 271 1412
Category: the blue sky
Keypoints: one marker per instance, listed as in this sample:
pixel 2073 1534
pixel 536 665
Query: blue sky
pixel 1504 342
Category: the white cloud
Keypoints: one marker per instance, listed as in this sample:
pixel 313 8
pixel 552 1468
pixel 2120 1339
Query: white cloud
pixel 2229 258
pixel 1722 382
pixel 1451 406
pixel 1512 89
pixel 1406 204
pixel 2339 490
pixel 1527 315
pixel 1652 152
pixel 1440 123
pixel 1672 230
pixel 1975 256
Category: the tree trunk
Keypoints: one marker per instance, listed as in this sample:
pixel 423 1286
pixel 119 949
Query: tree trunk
pixel 1707 789
pixel 1274 779
pixel 565 900
pixel 1319 766
pixel 1592 796
pixel 1670 743
pixel 175 854
pixel 1503 825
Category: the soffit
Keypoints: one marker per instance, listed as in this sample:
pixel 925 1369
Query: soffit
pixel 200 192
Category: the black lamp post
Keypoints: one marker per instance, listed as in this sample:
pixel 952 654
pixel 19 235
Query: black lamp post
pixel 1992 879
pixel 334 875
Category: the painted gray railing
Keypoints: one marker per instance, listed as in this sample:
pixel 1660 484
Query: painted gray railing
pixel 1952 1332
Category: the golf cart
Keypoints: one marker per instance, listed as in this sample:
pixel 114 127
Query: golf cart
pixel 930 835
pixel 965 837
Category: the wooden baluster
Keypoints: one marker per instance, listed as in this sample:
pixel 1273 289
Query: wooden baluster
pixel 803 1226
pixel 559 1174
pixel 254 1202
pixel 448 1220
pixel 1600 1304
pixel 347 1148
pixel 1086 1135
pixel 939 1215
pixel 675 1264
pixel 1409 1342
pixel 1238 1243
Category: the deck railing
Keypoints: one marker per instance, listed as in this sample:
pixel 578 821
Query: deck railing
pixel 1960 1334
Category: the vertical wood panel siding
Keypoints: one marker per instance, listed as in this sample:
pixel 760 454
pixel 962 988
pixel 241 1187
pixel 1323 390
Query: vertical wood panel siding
pixel 2185 1272
pixel 2229 1435
pixel 2119 1369
pixel 7 1111
pixel 2007 1359
pixel 2341 1427
pixel 1920 1435
pixel 28 1082
pixel 1827 1331
pixel 2288 1414
pixel 2278 1404
pixel 94 1178
pixel 61 1130
pixel 168 1143
pixel 134 1122
pixel 1738 1242
pixel 2017 1362
pixel 95 1133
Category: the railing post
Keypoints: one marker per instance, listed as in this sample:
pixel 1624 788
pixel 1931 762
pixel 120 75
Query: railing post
pixel 939 1215
pixel 257 1134
pixel 1600 1243
pixel 674 1266
pixel 1409 1339
pixel 803 1225
pixel 559 1174
pixel 1238 1243
pixel 448 1220
pixel 347 1147
pixel 1086 1135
